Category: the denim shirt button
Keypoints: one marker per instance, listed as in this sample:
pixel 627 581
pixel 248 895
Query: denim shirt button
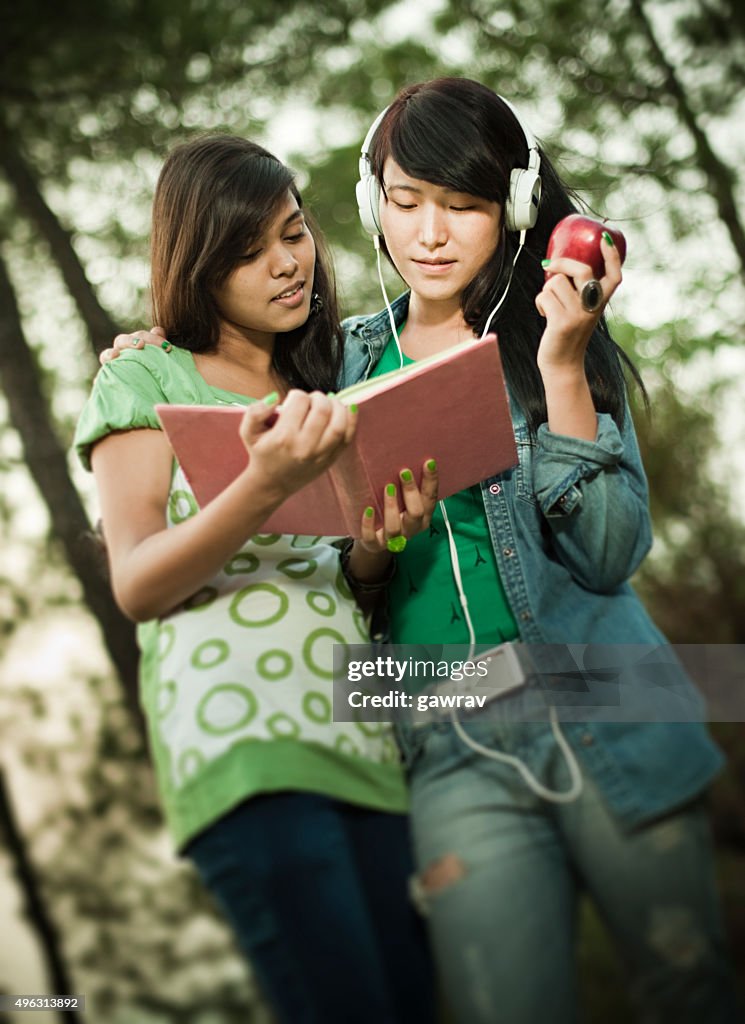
pixel 587 739
pixel 495 489
pixel 525 616
pixel 507 552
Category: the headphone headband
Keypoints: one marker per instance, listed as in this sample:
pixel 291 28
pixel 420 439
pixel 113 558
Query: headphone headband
pixel 521 206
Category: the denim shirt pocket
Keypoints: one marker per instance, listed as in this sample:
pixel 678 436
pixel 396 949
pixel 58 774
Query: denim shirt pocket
pixel 523 472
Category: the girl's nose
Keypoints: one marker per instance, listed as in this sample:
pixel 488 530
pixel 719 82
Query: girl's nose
pixel 433 226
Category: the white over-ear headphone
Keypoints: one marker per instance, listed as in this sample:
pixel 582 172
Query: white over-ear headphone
pixel 520 210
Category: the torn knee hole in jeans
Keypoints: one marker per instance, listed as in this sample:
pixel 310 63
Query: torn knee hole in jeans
pixel 436 878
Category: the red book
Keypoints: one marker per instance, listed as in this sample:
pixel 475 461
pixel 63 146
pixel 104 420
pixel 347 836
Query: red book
pixel 451 407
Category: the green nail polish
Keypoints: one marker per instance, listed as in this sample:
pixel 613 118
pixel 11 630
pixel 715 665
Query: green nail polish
pixel 431 465
pixel 407 476
pixel 545 263
pixel 396 544
pixel 271 398
pixel 353 408
pixel 330 394
pixel 390 490
pixel 608 238
pixel 369 512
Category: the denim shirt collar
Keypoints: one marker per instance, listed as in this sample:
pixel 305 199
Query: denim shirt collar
pixel 365 338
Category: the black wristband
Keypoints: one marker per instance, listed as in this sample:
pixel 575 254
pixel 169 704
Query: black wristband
pixel 358 585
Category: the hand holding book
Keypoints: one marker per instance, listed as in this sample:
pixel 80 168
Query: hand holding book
pixel 452 406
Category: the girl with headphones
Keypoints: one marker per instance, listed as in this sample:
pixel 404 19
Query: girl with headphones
pixel 514 817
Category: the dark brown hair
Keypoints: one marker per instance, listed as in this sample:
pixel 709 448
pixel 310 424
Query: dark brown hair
pixel 457 133
pixel 214 198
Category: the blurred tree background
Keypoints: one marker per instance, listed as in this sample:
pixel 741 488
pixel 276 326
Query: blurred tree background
pixel 640 102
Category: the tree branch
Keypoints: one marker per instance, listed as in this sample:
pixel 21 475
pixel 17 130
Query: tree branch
pixel 101 328
pixel 45 457
pixel 719 175
pixel 46 931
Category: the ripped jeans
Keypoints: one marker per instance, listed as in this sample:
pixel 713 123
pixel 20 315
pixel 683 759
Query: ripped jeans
pixel 501 870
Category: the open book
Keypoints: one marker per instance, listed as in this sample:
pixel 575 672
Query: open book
pixel 451 407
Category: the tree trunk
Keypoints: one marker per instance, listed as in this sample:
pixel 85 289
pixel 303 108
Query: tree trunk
pixel 721 179
pixel 46 461
pixel 101 328
pixel 46 932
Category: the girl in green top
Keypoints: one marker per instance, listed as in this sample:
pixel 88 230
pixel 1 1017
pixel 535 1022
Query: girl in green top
pixel 296 823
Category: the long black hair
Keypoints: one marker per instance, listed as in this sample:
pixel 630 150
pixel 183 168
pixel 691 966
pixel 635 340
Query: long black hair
pixel 214 198
pixel 457 133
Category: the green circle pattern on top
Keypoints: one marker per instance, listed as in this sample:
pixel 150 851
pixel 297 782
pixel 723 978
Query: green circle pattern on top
pixel 203 598
pixel 282 726
pixel 238 615
pixel 181 505
pixel 297 568
pixel 322 603
pixel 226 707
pixel 281 671
pixel 210 653
pixel 244 561
pixel 308 656
pixel 265 540
pixel 302 541
pixel 166 639
pixel 166 698
pixel 317 707
pixel 190 762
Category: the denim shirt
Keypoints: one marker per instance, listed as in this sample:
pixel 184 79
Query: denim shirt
pixel 569 525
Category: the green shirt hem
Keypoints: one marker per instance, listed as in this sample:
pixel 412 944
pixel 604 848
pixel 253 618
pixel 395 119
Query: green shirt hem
pixel 254 767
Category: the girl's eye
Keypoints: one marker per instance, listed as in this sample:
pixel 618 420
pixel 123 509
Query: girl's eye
pixel 296 238
pixel 249 257
pixel 462 209
pixel 404 206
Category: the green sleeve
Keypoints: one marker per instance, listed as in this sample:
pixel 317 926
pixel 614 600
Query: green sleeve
pixel 123 397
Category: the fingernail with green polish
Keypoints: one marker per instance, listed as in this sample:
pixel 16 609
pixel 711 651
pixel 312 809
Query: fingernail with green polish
pixel 369 512
pixel 390 490
pixel 271 398
pixel 431 465
pixel 608 238
pixel 330 394
pixel 545 263
pixel 353 408
pixel 406 475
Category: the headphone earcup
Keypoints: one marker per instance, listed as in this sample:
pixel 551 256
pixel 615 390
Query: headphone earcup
pixel 368 202
pixel 521 209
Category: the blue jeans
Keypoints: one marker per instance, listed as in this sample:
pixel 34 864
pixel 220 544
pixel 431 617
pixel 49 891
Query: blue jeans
pixel 317 894
pixel 500 872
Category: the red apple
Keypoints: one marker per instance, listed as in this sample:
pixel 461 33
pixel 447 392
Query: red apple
pixel 578 237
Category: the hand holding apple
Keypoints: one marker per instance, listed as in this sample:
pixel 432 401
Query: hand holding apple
pixel 578 237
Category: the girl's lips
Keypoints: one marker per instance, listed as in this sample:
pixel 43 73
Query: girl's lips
pixel 293 300
pixel 434 268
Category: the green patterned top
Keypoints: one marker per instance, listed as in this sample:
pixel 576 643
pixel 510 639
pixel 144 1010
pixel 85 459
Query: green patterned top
pixel 423 599
pixel 236 682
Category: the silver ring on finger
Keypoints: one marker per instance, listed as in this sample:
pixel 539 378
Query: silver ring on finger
pixel 591 296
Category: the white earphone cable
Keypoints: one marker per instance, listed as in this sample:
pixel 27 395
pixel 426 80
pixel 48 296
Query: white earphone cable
pixel 376 243
pixel 575 788
pixel 504 293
